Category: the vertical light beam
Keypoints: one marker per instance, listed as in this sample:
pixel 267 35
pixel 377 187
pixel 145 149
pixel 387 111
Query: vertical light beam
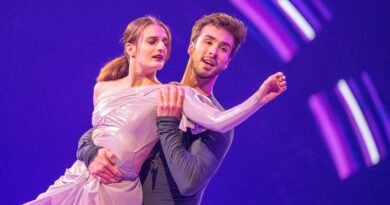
pixel 280 41
pixel 369 117
pixel 323 9
pixel 308 13
pixel 367 142
pixel 297 19
pixel 332 135
pixel 380 108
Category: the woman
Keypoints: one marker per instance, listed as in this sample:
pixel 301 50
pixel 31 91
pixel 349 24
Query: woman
pixel 124 117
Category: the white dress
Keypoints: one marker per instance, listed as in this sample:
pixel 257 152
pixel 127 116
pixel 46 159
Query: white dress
pixel 125 123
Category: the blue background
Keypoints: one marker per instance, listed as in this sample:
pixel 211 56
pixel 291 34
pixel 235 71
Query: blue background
pixel 52 51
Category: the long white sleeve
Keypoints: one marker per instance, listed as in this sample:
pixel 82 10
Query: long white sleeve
pixel 213 119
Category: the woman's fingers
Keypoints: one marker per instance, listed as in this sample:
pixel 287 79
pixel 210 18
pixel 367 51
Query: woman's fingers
pixel 170 101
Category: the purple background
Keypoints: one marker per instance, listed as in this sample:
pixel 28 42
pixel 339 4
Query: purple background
pixel 51 52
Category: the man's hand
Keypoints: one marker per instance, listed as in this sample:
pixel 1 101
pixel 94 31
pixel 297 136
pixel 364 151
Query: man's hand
pixel 170 101
pixel 271 88
pixel 103 169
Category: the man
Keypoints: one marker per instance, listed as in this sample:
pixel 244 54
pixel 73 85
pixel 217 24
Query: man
pixel 181 164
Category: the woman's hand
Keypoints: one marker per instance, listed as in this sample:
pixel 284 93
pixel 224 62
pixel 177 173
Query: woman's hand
pixel 170 101
pixel 272 87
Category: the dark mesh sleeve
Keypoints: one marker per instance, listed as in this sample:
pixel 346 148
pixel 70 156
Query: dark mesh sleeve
pixel 191 169
pixel 87 150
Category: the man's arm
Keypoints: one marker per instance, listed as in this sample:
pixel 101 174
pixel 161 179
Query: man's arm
pixel 100 161
pixel 87 150
pixel 191 169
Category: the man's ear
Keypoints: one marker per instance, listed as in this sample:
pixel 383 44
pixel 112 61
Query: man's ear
pixel 191 47
pixel 227 63
pixel 130 49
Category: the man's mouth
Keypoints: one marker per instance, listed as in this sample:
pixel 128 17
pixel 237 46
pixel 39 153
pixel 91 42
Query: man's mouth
pixel 209 61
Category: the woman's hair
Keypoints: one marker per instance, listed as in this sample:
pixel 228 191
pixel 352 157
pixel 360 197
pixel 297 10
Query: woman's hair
pixel 119 67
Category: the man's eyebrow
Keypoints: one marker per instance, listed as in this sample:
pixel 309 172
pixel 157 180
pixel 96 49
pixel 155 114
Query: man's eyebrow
pixel 213 38
pixel 208 36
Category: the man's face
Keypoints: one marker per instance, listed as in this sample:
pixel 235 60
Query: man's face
pixel 210 53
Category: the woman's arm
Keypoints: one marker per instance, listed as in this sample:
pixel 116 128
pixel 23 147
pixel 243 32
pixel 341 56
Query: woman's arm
pixel 213 119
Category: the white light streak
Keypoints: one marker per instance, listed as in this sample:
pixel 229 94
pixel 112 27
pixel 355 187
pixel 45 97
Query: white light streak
pixel 297 18
pixel 361 122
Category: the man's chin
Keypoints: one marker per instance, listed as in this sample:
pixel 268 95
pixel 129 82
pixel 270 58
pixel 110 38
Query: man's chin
pixel 204 75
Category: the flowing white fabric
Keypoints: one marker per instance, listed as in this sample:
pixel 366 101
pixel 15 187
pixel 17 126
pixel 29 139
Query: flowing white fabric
pixel 125 123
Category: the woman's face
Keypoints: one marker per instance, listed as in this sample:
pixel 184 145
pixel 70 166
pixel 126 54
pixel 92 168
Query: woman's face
pixel 151 52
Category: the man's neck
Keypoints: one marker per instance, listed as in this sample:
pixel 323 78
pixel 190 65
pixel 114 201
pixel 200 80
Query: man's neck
pixel 203 86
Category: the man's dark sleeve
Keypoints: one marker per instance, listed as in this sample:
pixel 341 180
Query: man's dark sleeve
pixel 87 150
pixel 191 169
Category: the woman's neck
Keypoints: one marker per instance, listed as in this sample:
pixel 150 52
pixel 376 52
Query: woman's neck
pixel 135 79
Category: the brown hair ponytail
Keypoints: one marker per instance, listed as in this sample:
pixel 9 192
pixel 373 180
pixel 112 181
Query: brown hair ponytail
pixel 115 69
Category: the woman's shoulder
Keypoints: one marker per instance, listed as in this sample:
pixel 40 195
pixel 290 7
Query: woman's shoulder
pixel 100 87
pixel 106 87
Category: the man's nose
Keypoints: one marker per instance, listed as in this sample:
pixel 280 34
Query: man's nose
pixel 213 51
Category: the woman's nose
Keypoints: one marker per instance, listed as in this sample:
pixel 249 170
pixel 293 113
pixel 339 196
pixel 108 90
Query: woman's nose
pixel 161 45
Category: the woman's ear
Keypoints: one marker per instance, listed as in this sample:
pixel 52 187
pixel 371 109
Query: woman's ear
pixel 130 50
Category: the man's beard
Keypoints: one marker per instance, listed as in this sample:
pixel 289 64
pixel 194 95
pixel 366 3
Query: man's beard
pixel 198 71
